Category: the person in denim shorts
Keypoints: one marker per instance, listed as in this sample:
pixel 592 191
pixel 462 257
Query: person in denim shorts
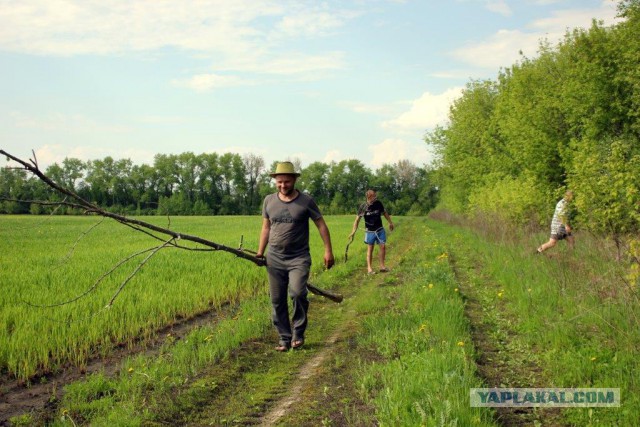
pixel 372 211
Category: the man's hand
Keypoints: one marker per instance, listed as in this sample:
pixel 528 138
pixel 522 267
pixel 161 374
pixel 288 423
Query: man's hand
pixel 391 226
pixel 262 261
pixel 329 260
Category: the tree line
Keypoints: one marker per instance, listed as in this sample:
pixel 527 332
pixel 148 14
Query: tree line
pixel 567 119
pixel 213 184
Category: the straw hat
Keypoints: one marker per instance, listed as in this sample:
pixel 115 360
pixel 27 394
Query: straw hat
pixel 284 168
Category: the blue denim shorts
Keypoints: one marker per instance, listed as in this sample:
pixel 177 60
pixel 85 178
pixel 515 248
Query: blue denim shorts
pixel 375 237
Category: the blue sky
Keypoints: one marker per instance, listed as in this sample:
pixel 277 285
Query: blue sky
pixel 312 80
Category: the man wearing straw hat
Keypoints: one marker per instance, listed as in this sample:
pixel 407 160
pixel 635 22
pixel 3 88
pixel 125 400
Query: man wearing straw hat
pixel 285 228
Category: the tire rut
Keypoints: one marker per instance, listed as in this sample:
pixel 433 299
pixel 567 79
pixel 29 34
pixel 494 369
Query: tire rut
pixel 305 374
pixel 314 367
pixel 496 365
pixel 42 392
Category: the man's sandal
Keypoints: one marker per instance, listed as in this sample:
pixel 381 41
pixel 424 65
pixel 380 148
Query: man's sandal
pixel 282 347
pixel 297 343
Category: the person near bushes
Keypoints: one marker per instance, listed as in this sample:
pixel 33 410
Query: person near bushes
pixel 372 211
pixel 560 227
pixel 285 229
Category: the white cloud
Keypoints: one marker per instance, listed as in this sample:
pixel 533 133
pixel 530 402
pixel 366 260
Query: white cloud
pixel 49 154
pixel 561 20
pixel 391 151
pixel 240 34
pixel 545 2
pixel 296 63
pixel 333 156
pixel 60 27
pixel 503 48
pixel 500 50
pixel 291 63
pixel 206 82
pixel 499 6
pixel 426 112
pixel 310 23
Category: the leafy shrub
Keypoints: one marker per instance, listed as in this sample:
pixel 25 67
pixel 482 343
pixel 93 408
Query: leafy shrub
pixel 515 200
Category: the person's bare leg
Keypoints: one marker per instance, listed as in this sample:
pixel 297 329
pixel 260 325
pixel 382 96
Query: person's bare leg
pixel 369 258
pixel 551 243
pixel 570 242
pixel 382 254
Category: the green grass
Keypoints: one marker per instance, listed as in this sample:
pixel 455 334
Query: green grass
pixel 566 313
pixel 50 260
pixel 412 320
pixel 144 380
pixel 424 367
pixel 558 320
pixel 166 387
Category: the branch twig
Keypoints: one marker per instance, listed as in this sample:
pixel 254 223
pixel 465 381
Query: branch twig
pixel 134 272
pixel 95 284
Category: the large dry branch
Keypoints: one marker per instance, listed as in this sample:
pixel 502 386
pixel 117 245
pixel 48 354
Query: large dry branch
pixel 76 201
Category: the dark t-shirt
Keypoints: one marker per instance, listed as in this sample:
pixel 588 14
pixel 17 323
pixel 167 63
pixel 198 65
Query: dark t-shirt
pixel 372 214
pixel 289 233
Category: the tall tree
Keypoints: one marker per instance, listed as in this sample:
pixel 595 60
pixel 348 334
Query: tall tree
pixel 254 167
pixel 314 181
pixel 348 180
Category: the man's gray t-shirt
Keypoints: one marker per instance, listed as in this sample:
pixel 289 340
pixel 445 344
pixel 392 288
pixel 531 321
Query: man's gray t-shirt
pixel 289 233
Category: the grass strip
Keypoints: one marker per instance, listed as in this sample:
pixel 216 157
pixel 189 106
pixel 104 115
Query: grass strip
pixel 564 313
pixel 420 365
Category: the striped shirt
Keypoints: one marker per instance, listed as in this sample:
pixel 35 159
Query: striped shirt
pixel 559 217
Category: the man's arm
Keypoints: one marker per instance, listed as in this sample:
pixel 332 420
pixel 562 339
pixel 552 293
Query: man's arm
pixel 264 237
pixel 355 226
pixel 565 221
pixel 388 217
pixel 326 238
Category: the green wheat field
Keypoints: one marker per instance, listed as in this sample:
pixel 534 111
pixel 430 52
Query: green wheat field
pixel 556 321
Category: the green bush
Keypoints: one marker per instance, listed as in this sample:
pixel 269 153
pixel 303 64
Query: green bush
pixel 515 200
